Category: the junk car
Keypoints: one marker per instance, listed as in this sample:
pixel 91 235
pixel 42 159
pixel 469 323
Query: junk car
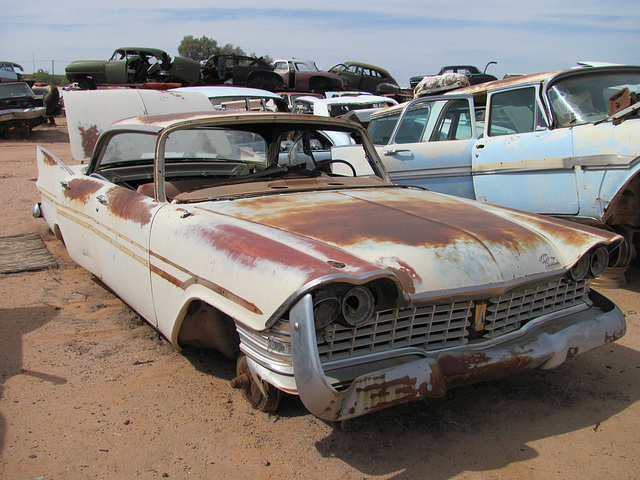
pixel 134 65
pixel 319 276
pixel 363 77
pixel 563 143
pixel 226 97
pixel 240 70
pixel 20 107
pixel 303 75
pixel 11 72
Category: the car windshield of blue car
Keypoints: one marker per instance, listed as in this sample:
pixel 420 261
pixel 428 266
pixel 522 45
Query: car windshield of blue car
pixel 582 99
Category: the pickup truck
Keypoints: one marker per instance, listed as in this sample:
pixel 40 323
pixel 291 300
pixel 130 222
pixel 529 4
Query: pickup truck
pixel 563 143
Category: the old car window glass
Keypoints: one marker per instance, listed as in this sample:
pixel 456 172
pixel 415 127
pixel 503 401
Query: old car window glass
pixel 215 144
pixel 413 124
pixel 512 112
pixel 380 129
pixel 585 98
pixel 128 147
pixel 454 122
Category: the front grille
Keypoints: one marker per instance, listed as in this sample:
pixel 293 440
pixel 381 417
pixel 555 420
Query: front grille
pixel 439 326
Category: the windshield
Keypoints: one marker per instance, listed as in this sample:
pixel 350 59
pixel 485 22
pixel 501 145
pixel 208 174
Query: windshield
pixel 586 98
pixel 9 90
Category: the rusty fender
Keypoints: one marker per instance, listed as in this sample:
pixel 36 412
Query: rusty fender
pixel 545 346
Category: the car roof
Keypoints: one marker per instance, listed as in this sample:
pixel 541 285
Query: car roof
pixel 156 123
pixel 154 51
pixel 229 91
pixel 367 65
pixel 506 82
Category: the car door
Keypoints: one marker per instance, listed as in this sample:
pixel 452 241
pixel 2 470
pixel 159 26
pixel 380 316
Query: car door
pixel 431 145
pixel 520 162
pixel 107 226
pixel 116 68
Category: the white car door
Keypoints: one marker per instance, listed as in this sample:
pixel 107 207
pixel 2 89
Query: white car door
pixel 106 226
pixel 432 144
pixel 520 162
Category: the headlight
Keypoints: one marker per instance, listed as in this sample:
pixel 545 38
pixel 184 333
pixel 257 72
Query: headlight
pixel 352 305
pixel 599 262
pixel 591 264
pixel 580 269
pixel 326 308
pixel 357 306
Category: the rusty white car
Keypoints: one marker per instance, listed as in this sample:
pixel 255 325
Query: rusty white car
pixel 319 276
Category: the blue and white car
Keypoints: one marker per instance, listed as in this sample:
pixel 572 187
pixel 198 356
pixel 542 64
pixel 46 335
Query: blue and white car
pixel 563 143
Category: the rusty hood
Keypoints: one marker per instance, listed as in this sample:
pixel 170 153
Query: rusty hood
pixel 430 242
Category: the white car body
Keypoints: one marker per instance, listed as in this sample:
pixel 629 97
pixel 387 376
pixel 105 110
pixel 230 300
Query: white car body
pixel 354 293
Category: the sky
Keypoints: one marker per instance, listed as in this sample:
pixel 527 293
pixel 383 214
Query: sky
pixel 407 38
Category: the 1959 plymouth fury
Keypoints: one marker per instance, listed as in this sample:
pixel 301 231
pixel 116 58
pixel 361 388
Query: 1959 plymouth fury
pixel 312 270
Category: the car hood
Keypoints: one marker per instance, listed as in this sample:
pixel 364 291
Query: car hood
pixel 430 242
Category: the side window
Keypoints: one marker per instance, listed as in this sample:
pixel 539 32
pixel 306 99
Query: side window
pixel 454 122
pixel 515 111
pixel 380 129
pixel 413 124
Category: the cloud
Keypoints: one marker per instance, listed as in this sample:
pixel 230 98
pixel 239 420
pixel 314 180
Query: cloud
pixel 405 37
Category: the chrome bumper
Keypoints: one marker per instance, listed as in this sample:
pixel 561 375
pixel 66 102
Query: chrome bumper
pixel 546 346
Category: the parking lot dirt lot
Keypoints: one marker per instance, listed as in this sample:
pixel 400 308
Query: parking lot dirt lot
pixel 88 390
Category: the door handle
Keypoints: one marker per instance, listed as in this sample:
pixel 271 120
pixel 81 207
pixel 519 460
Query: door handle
pixel 102 199
pixel 64 184
pixel 480 146
pixel 396 151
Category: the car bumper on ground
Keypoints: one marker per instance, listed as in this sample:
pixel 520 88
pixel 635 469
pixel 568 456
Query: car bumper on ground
pixel 545 345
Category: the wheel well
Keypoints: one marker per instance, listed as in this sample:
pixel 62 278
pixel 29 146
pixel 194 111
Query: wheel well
pixel 204 326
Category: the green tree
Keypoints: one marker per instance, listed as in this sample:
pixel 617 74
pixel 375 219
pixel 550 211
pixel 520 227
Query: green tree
pixel 197 48
pixel 202 48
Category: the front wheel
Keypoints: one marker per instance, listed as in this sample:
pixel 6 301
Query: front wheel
pixel 251 391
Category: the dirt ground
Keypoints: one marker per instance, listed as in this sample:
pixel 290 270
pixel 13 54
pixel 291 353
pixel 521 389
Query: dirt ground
pixel 88 390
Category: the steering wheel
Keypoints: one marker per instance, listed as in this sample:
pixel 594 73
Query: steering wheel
pixel 323 163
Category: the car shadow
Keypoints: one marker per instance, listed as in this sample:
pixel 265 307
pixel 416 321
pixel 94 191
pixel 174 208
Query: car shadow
pixel 489 426
pixel 15 324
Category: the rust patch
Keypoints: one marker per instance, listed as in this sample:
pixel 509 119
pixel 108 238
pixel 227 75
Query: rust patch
pixel 49 159
pixel 467 369
pixel 80 189
pixel 250 249
pixel 410 219
pixel 407 276
pixel 130 205
pixel 572 352
pixel 614 336
pixel 89 138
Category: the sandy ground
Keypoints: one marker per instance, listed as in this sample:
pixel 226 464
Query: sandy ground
pixel 88 390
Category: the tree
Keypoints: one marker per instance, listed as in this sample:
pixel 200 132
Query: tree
pixel 202 48
pixel 197 48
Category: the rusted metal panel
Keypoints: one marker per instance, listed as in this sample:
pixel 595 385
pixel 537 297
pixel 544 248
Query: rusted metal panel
pixel 90 112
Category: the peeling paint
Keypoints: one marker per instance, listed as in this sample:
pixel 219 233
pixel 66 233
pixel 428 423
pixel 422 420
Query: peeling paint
pixel 130 205
pixel 80 189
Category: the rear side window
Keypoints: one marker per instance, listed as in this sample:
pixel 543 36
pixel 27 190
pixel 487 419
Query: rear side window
pixel 454 122
pixel 380 129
